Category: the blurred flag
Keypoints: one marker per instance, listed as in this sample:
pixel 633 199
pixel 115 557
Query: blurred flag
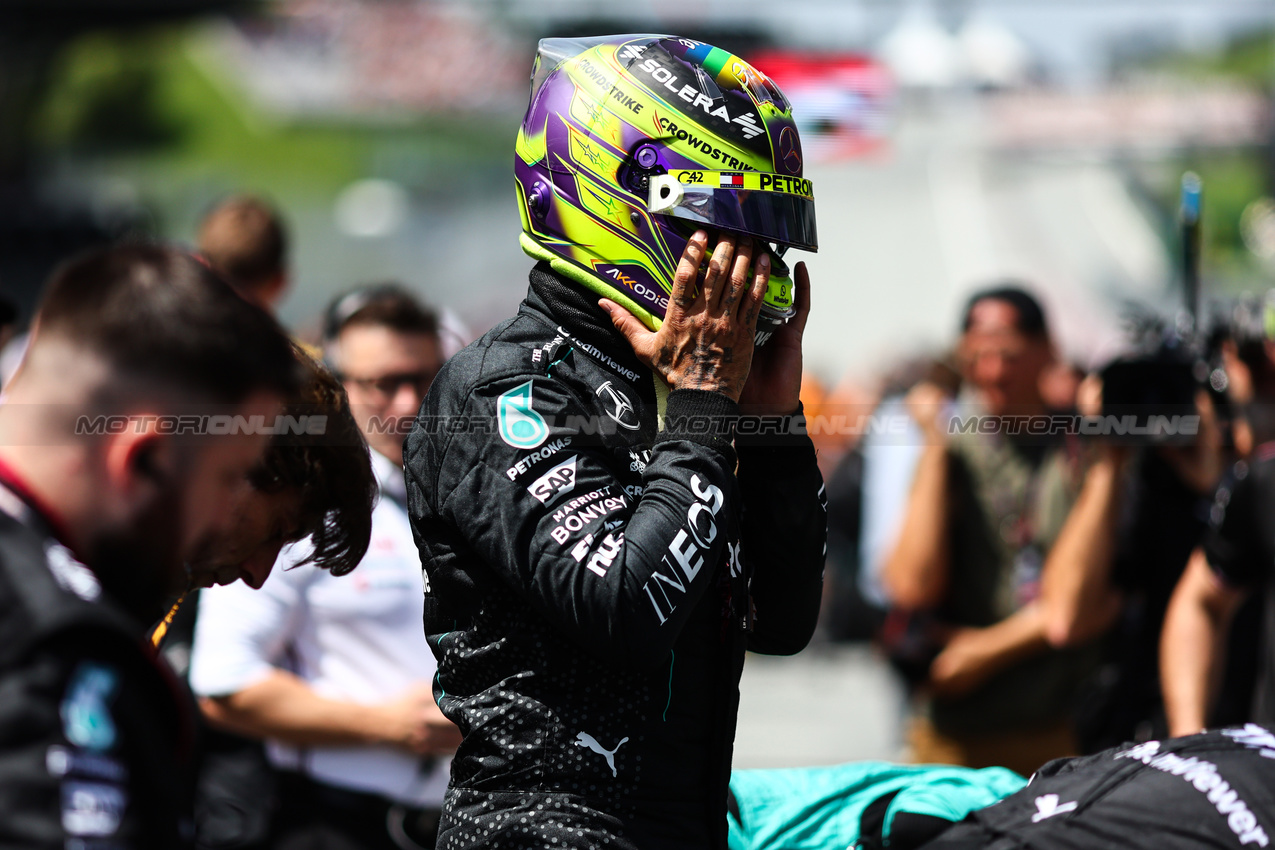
pixel 843 102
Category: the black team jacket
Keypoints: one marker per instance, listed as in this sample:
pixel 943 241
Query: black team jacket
pixel 593 580
pixel 97 737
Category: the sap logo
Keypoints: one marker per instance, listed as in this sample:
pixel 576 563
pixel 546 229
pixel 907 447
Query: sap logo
pixel 92 809
pixel 685 557
pixel 557 481
pixel 605 555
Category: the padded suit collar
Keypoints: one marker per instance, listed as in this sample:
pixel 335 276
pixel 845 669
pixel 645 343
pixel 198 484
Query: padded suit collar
pixel 574 308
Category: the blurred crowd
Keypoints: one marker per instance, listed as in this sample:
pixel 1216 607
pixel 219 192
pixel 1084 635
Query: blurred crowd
pixel 1049 568
pixel 1043 589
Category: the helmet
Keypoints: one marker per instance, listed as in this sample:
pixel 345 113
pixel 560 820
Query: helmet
pixel 632 142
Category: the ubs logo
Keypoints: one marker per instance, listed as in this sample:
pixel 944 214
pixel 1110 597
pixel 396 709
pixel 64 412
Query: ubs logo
pixel 621 409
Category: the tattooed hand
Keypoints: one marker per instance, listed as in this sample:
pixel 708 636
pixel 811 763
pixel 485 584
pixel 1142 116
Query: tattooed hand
pixel 706 341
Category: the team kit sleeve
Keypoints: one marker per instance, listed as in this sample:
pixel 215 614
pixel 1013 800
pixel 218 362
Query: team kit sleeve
pixel 620 572
pixel 1233 543
pixel 785 532
pixel 69 765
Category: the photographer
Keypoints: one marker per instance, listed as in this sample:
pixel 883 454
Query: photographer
pixel 1233 561
pixel 1165 505
pixel 1007 541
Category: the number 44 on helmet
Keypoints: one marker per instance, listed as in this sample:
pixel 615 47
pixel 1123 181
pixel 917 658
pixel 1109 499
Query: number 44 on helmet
pixel 631 143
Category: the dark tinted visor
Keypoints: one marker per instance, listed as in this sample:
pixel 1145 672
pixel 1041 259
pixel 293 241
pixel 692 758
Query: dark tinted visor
pixel 771 207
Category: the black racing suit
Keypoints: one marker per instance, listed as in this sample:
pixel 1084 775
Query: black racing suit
pixel 1211 790
pixel 96 736
pixel 593 581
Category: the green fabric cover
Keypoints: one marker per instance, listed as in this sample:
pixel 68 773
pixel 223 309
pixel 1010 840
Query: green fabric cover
pixel 818 808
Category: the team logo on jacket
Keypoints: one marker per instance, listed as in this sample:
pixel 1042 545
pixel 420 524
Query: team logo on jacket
pixel 561 479
pixel 621 410
pixel 85 710
pixel 91 808
pixel 520 425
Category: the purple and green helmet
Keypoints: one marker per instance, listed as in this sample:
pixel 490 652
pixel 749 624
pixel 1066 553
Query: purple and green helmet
pixel 633 142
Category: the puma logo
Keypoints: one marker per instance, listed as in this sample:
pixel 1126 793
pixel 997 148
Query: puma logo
pixel 584 739
pixel 1047 806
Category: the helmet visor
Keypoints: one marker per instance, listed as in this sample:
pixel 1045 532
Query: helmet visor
pixel 771 207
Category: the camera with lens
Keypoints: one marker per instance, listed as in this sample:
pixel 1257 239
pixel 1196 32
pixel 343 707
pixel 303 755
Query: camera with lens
pixel 1150 396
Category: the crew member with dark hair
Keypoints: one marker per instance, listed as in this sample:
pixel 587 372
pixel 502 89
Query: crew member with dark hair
pixel 315 481
pixel 385 347
pixel 333 671
pixel 605 529
pixel 1006 542
pixel 107 482
pixel 244 239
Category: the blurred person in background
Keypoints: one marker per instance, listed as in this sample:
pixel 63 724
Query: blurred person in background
pixel 867 492
pixel 245 240
pixel 1000 539
pixel 632 509
pixel 1166 500
pixel 1206 634
pixel 96 744
pixel 887 459
pixel 334 671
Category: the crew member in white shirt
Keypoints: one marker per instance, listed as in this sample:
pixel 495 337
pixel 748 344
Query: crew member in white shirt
pixel 334 672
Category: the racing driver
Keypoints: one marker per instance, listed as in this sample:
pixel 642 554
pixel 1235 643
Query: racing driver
pixel 612 492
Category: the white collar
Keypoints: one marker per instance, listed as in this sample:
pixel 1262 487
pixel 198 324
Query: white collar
pixel 389 477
